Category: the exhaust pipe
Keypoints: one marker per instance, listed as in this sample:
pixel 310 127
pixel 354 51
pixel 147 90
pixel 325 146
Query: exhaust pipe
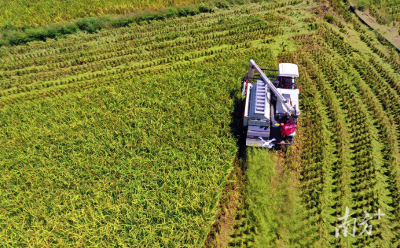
pixel 250 74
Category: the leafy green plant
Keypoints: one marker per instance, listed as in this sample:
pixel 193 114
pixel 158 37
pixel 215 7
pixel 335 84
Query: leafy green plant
pixel 362 5
pixel 329 17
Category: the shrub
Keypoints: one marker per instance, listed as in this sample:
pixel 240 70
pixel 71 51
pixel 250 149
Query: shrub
pixel 3 42
pixel 149 16
pixel 53 32
pixel 122 21
pixel 16 37
pixel 329 17
pixel 36 33
pixel 362 6
pixel 182 12
pixel 91 25
pixel 222 5
pixel 191 10
pixel 70 28
pixel 204 8
pixel 86 24
pixel 171 12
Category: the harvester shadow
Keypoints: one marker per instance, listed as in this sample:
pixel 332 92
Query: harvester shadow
pixel 237 129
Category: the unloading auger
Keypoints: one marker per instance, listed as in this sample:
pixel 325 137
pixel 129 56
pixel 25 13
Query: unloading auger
pixel 271 108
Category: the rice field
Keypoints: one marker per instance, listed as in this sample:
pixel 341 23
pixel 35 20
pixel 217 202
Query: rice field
pixel 128 137
pixel 36 13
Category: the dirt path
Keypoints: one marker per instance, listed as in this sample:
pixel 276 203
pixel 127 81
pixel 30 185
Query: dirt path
pixel 222 228
pixel 390 33
pixel 227 221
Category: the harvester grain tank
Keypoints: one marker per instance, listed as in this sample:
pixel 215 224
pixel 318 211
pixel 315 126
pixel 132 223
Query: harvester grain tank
pixel 271 108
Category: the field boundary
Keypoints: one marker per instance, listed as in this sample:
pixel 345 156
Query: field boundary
pixel 11 35
pixel 353 10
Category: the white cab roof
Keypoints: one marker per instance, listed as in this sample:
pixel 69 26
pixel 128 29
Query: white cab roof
pixel 288 70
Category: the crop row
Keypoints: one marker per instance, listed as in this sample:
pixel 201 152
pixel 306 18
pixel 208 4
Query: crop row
pixel 340 137
pixel 359 138
pixel 389 138
pixel 315 156
pixel 169 26
pixel 389 7
pixel 132 40
pixel 39 77
pixel 389 152
pixel 117 51
pixel 361 180
pixel 76 63
pixel 393 60
pixel 51 79
pixel 315 160
pixel 82 83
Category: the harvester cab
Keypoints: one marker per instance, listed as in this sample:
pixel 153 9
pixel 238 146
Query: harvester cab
pixel 271 108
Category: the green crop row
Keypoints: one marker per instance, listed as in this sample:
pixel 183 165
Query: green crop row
pixel 12 35
pixel 123 137
pixel 364 151
pixel 34 71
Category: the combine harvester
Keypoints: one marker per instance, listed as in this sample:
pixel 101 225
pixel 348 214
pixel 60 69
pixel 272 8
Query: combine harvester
pixel 271 109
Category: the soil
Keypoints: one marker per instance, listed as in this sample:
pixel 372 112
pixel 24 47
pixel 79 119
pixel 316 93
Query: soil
pixel 390 33
pixel 222 228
